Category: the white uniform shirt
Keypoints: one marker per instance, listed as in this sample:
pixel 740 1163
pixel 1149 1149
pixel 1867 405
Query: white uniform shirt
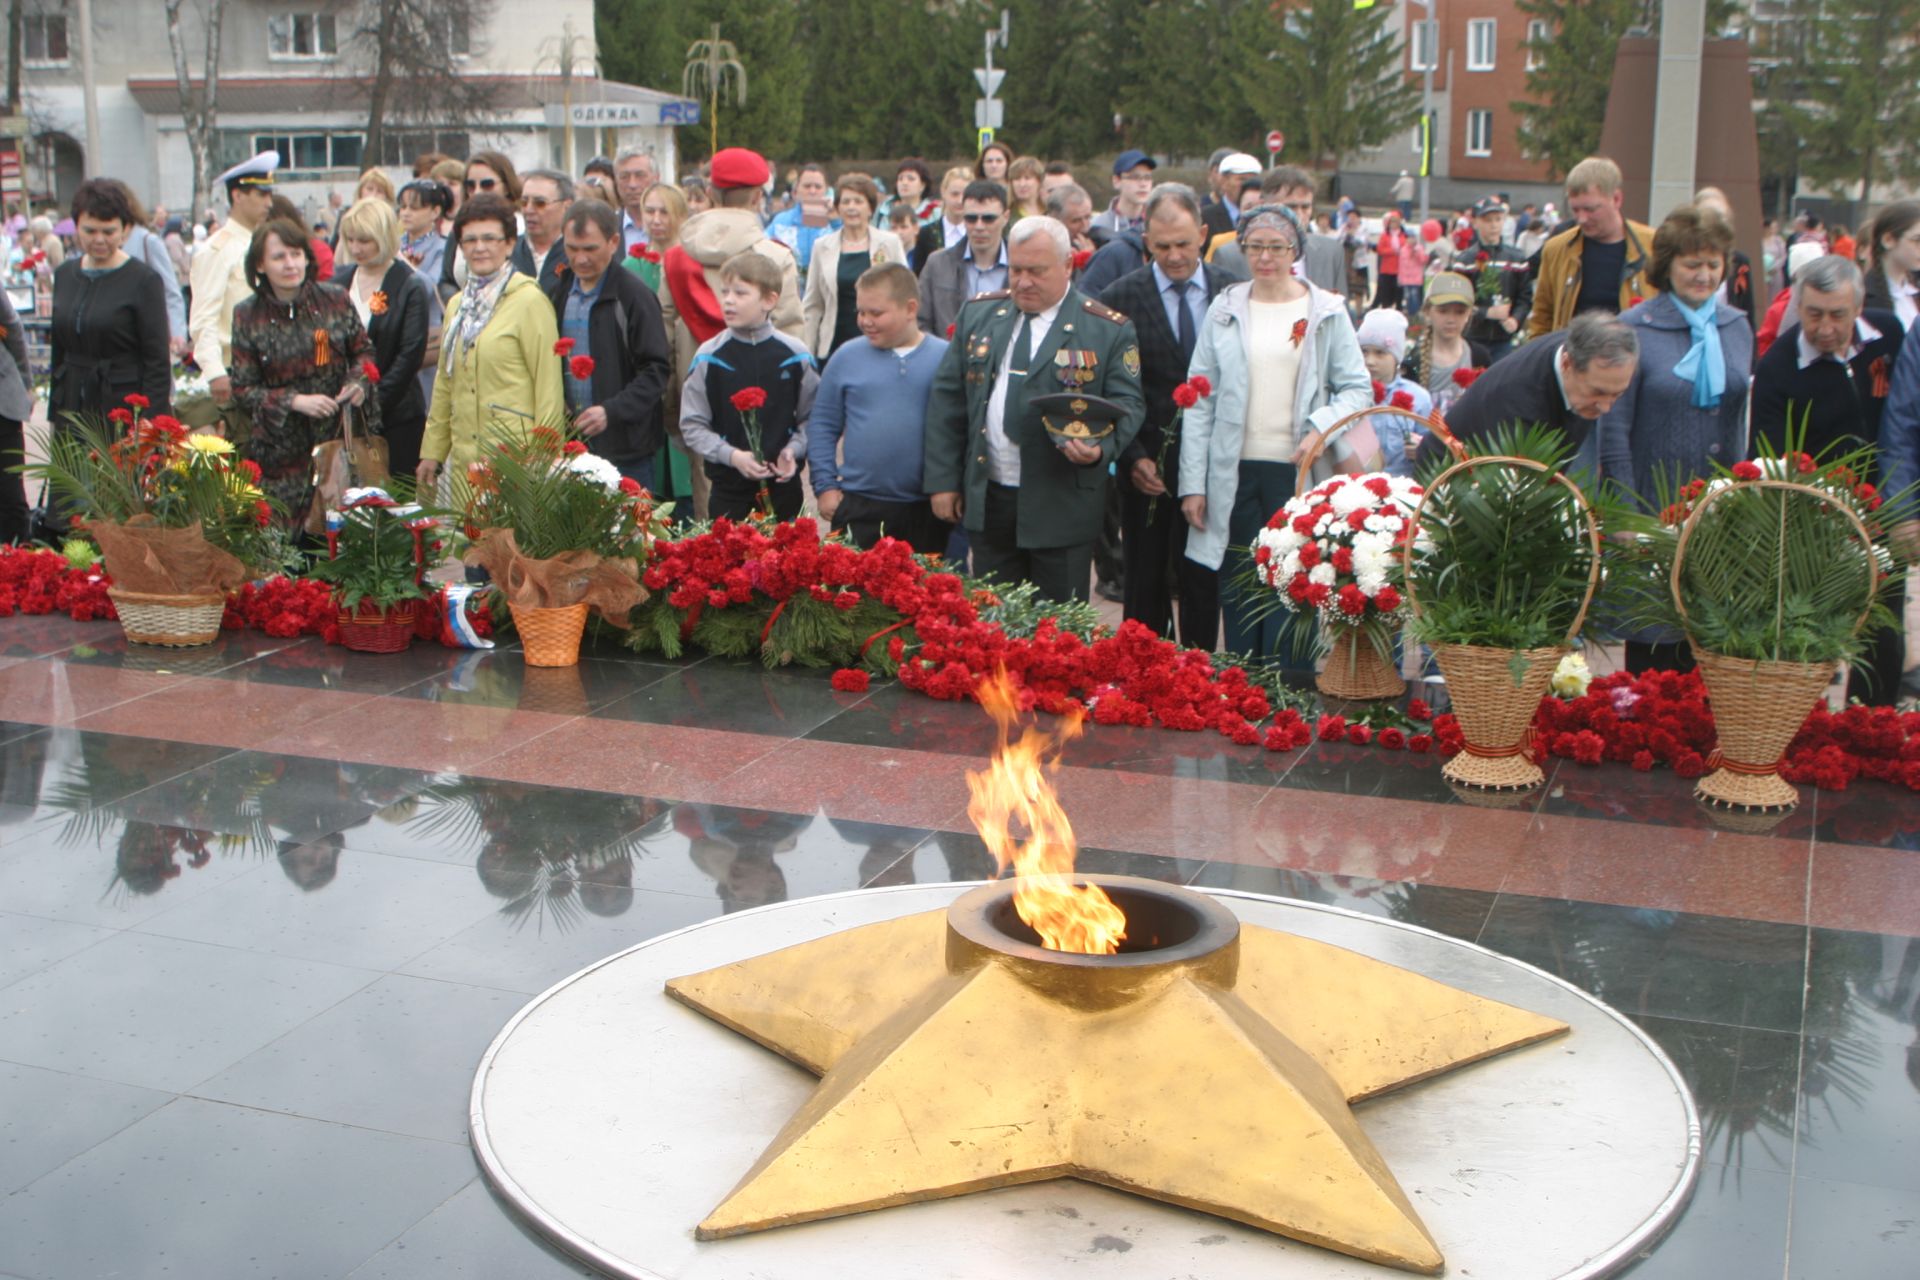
pixel 1003 455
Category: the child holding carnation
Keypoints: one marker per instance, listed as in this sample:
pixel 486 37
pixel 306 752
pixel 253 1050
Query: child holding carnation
pixel 747 396
pixel 1383 345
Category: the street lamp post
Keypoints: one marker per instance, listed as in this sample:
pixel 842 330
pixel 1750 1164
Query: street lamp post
pixel 1426 103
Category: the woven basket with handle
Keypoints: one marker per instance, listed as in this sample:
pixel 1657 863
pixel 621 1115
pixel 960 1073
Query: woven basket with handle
pixel 551 637
pixel 1356 671
pixel 1758 705
pixel 1495 692
pixel 178 622
pixel 1322 441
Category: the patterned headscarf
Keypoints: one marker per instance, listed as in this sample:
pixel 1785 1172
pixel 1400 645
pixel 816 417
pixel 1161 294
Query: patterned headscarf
pixel 1271 217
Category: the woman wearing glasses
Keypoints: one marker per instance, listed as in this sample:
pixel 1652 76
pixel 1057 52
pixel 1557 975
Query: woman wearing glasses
pixel 498 371
pixel 488 174
pixel 1285 365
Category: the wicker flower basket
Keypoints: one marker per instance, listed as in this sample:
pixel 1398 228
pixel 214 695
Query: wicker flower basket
pixel 1496 692
pixel 551 637
pixel 1356 671
pixel 1758 706
pixel 1325 440
pixel 178 622
pixel 1495 713
pixel 377 630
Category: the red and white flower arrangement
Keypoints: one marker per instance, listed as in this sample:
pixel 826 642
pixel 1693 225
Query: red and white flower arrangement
pixel 1335 551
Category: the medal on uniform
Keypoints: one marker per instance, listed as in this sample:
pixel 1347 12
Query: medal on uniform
pixel 1074 368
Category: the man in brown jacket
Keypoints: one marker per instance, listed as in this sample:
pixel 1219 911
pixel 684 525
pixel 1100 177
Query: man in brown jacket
pixel 1600 264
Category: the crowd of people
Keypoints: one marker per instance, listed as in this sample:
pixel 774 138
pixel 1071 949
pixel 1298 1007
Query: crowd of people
pixel 986 362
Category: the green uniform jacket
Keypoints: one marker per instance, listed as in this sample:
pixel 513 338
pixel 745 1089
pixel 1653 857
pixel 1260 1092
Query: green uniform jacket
pixel 1061 503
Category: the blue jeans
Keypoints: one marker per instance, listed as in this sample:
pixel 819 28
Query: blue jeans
pixel 641 471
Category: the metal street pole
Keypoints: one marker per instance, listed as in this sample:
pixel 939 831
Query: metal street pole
pixel 1426 104
pixel 89 92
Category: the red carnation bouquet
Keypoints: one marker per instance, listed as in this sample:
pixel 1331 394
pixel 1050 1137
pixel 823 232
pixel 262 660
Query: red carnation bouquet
pixel 748 401
pixel 1185 396
pixel 1335 551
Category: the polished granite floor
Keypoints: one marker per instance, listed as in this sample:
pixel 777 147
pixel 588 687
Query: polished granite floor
pixel 262 907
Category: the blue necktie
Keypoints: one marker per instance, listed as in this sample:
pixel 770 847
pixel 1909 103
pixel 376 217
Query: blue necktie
pixel 1187 335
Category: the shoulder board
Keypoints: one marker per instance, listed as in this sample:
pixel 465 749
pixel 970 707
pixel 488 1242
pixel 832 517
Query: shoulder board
pixel 991 295
pixel 1105 312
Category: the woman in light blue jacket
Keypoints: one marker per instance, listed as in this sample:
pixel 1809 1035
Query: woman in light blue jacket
pixel 1285 366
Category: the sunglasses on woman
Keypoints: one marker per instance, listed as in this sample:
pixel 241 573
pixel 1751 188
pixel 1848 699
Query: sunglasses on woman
pixel 483 184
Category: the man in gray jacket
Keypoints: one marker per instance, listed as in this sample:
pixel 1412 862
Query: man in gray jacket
pixel 1325 263
pixel 975 265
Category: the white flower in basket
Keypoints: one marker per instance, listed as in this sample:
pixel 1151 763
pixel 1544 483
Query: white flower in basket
pixel 1335 550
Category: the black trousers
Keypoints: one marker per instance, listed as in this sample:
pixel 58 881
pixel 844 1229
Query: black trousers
pixel 1107 560
pixel 13 487
pixel 1644 656
pixel 867 520
pixel 1875 679
pixel 1153 546
pixel 1060 573
pixel 736 497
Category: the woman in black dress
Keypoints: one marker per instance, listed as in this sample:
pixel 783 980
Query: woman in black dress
pixel 298 351
pixel 110 330
pixel 391 300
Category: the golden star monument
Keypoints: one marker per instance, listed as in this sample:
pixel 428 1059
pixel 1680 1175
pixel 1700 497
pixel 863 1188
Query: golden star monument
pixel 1208 1064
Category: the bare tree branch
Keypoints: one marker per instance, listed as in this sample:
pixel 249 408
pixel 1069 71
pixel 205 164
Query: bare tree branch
pixel 406 57
pixel 200 115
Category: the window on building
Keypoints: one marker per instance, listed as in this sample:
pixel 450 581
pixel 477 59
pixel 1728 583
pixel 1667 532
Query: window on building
pixel 43 39
pixel 1480 44
pixel 1536 37
pixel 400 148
pixel 312 151
pixel 301 35
pixel 1420 47
pixel 1479 133
pixel 459 34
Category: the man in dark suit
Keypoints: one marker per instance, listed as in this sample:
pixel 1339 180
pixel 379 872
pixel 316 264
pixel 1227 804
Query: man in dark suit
pixel 1829 377
pixel 614 318
pixel 1032 508
pixel 949 229
pixel 975 265
pixel 1566 380
pixel 545 197
pixel 1167 301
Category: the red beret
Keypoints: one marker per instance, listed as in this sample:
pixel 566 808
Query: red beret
pixel 739 167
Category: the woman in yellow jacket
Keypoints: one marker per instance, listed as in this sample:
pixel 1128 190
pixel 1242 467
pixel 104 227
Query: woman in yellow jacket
pixel 499 372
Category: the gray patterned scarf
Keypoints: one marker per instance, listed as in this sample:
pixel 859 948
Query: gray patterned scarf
pixel 477 304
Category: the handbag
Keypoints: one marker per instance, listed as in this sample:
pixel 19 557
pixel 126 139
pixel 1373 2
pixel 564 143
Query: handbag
pixel 339 465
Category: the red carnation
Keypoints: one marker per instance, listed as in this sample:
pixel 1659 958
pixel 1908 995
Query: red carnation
pixel 1688 764
pixel 1353 601
pixel 1642 761
pixel 747 399
pixel 1201 385
pixel 581 367
pixel 121 416
pixel 1465 376
pixel 1359 735
pixel 1393 739
pixel 1745 471
pixel 139 401
pixel 251 468
pixel 564 347
pixel 371 370
pixel 1331 728
pixel 630 487
pixel 1081 258
pixel 1379 391
pixel 949 331
pixel 1386 599
pixel 573 448
pixel 262 514
pixel 1417 709
pixel 1420 743
pixel 1357 518
pixel 851 680
pixel 1184 396
pixel 1402 400
pixel 1803 463
pixel 1483 257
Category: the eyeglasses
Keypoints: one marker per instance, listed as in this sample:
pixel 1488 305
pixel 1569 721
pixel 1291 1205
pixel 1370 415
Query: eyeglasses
pixel 536 202
pixel 1267 250
pixel 484 184
pixel 982 219
pixel 474 242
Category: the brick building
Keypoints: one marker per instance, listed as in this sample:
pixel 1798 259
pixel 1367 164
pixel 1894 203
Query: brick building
pixel 1479 71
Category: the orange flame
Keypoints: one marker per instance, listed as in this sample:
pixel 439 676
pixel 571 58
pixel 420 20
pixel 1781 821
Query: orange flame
pixel 1013 789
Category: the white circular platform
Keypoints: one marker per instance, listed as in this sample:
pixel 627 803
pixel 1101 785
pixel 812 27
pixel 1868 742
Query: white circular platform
pixel 615 1118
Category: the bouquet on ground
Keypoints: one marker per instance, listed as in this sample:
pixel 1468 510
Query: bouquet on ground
pixel 1334 551
pixel 1776 570
pixel 557 526
pixel 376 552
pixel 174 513
pixel 1505 562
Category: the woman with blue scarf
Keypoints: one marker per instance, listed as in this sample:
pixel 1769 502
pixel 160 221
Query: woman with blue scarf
pixel 1687 406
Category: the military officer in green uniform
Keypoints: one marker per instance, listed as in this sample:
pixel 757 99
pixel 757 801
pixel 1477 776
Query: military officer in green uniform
pixel 1032 505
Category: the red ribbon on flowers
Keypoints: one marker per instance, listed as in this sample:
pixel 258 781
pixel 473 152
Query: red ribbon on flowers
pixel 773 618
pixel 882 632
pixel 692 620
